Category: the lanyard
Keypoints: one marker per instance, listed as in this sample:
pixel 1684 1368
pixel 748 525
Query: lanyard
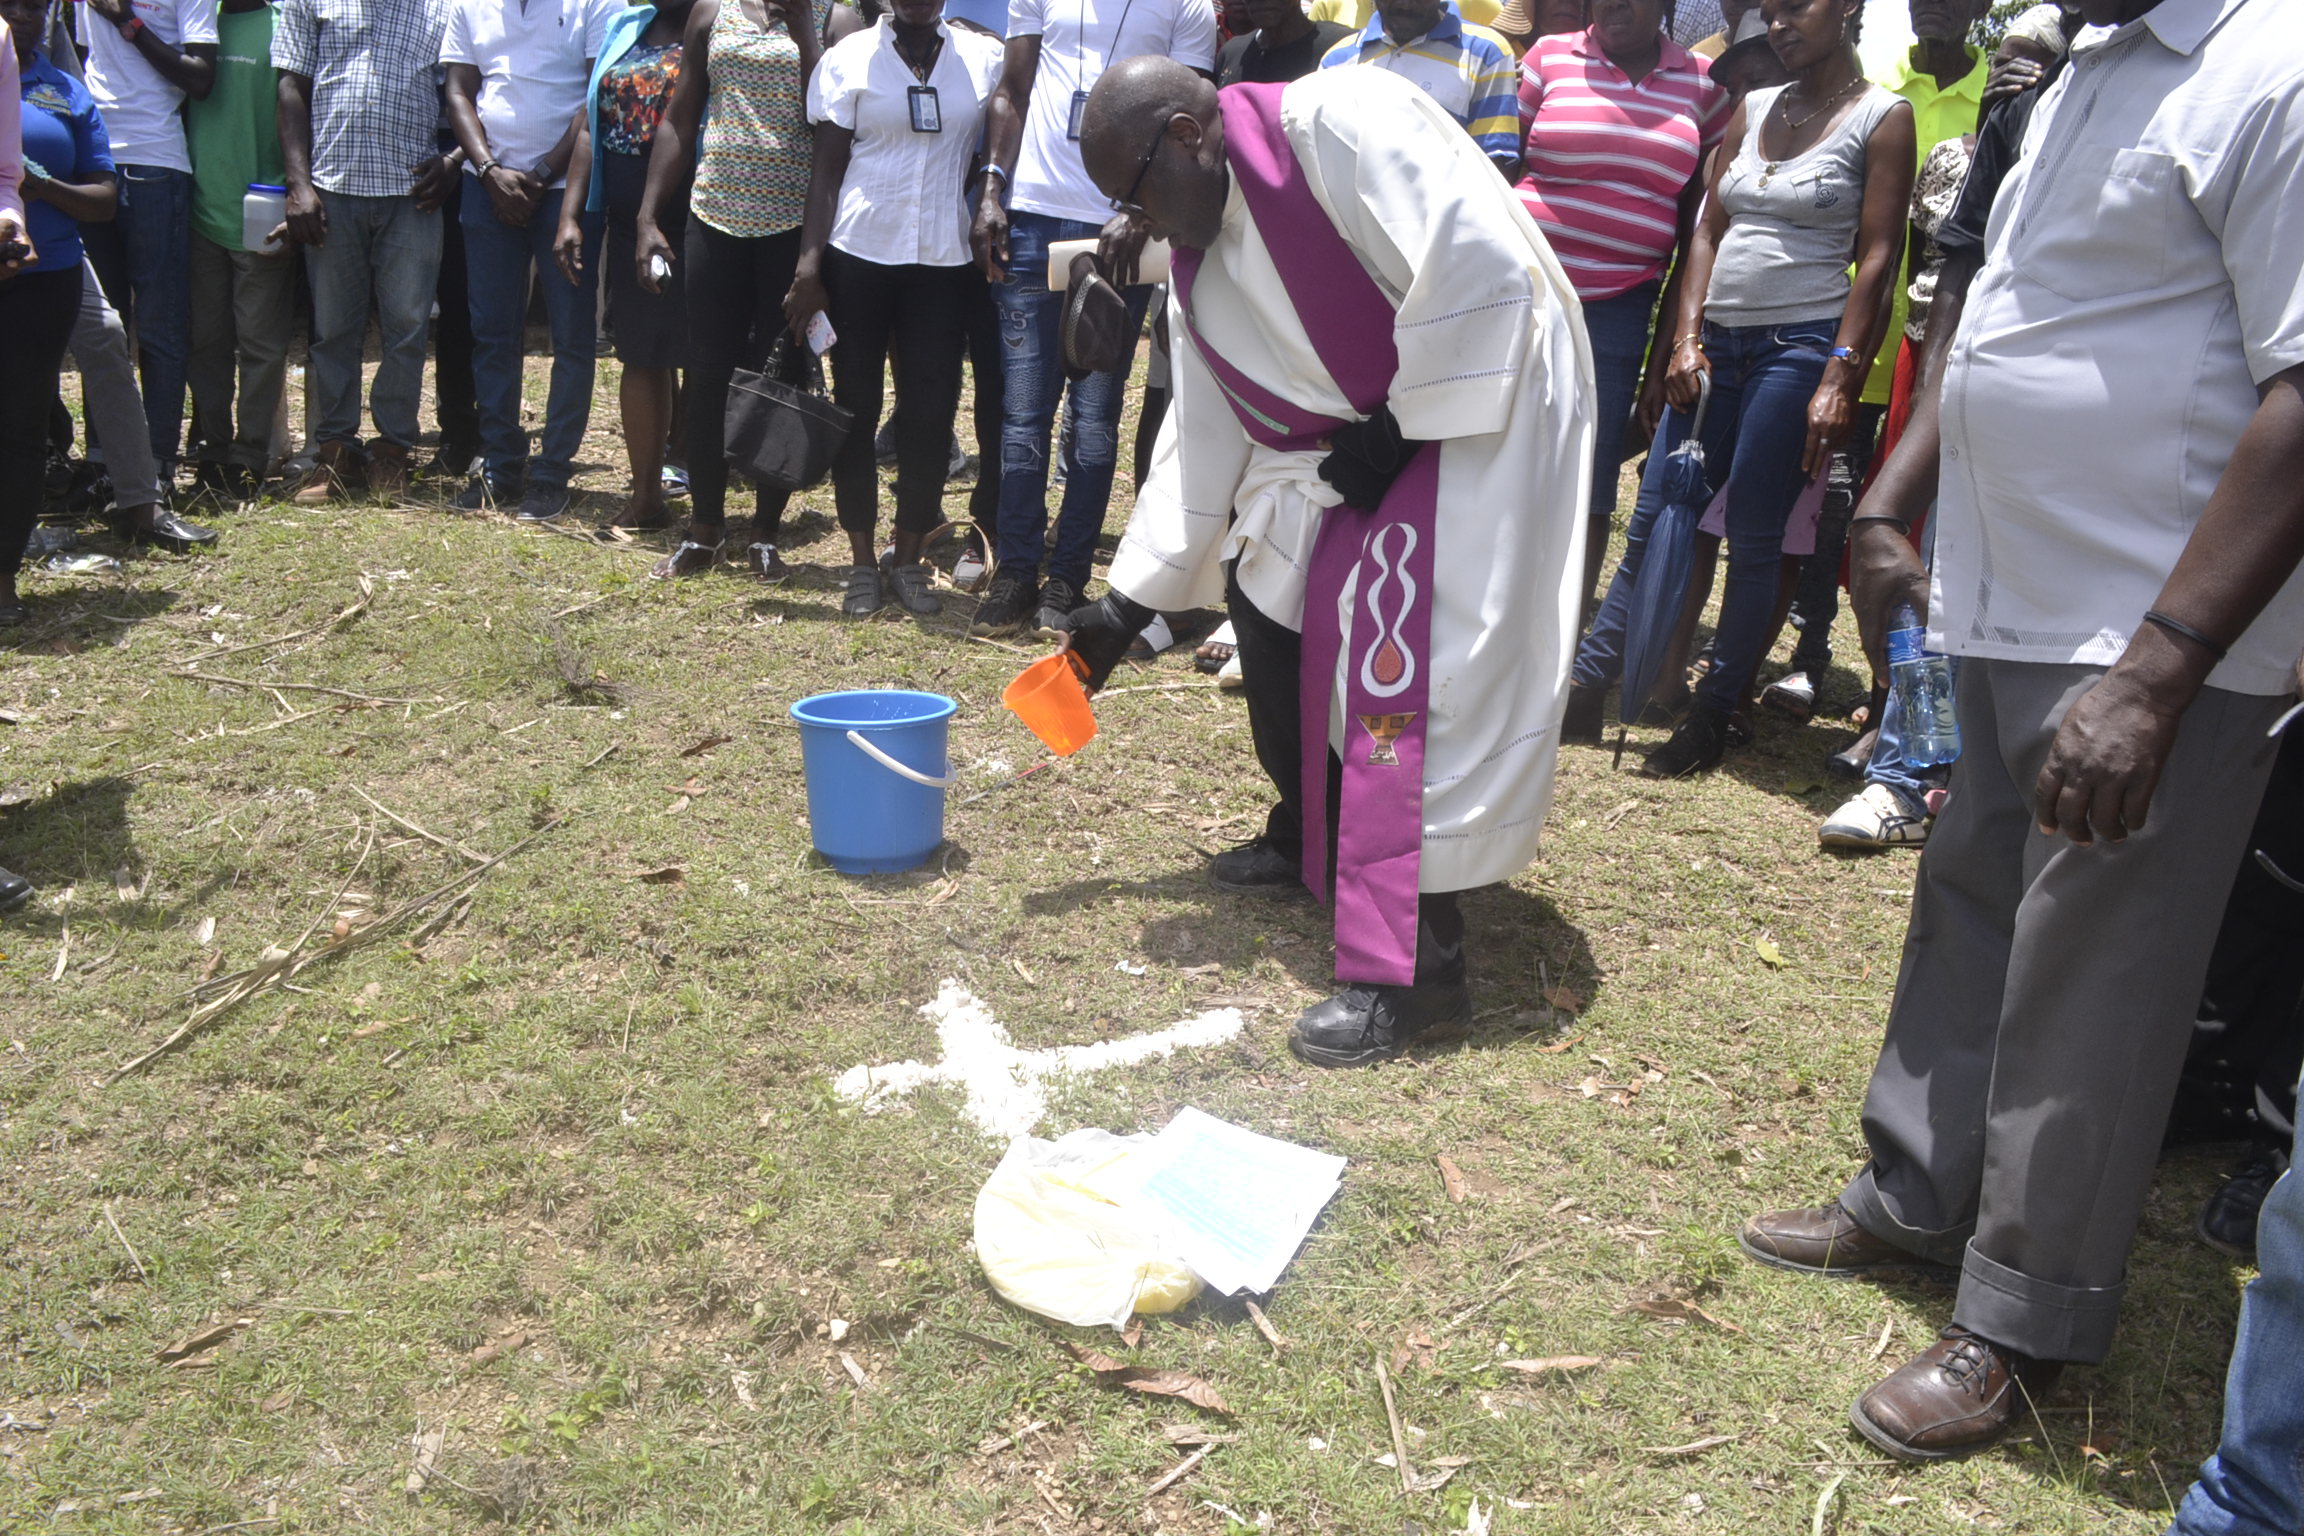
pixel 1080 45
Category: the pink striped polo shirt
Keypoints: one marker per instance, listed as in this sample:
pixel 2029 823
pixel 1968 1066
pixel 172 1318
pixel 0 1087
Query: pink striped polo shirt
pixel 1608 157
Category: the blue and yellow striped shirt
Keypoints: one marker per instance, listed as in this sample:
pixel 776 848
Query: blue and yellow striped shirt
pixel 1467 69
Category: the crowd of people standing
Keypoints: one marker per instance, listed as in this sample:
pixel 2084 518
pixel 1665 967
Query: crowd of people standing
pixel 1869 302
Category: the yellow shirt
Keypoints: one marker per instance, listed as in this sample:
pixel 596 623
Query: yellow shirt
pixel 1356 13
pixel 1937 115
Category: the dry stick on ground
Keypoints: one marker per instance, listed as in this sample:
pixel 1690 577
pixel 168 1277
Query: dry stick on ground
pixel 341 693
pixel 358 606
pixel 141 1272
pixel 430 837
pixel 1392 1416
pixel 278 965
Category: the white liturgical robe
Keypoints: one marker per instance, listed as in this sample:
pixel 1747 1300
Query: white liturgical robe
pixel 1494 366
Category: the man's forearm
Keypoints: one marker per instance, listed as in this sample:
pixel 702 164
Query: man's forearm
pixel 295 130
pixel 464 116
pixel 191 73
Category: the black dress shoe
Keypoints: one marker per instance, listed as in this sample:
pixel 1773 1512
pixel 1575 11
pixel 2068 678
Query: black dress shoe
pixel 169 532
pixel 2228 1220
pixel 1258 869
pixel 1698 744
pixel 1367 1023
pixel 1582 721
pixel 15 890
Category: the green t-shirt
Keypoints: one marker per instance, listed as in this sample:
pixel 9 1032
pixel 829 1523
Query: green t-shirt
pixel 234 135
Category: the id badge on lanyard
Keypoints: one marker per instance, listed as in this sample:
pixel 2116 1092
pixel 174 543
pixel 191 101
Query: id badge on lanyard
pixel 1079 111
pixel 927 117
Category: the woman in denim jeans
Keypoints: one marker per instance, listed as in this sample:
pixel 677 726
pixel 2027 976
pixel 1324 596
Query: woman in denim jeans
pixel 1821 177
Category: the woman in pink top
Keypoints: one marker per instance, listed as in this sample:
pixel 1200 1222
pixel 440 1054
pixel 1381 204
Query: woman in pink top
pixel 1618 120
pixel 11 170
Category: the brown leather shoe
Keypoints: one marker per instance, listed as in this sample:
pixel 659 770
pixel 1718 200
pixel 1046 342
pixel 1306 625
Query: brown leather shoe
pixel 1954 1398
pixel 387 470
pixel 1821 1240
pixel 335 473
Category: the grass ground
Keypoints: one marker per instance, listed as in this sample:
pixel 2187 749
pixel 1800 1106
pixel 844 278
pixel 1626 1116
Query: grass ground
pixel 563 1178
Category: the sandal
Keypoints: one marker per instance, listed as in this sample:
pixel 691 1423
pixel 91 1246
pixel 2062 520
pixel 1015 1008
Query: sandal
pixel 1150 641
pixel 864 597
pixel 1216 650
pixel 690 559
pixel 767 564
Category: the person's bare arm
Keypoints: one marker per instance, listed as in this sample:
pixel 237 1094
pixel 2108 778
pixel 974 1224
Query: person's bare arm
pixel 1883 568
pixel 2108 754
pixel 513 194
pixel 799 18
pixel 568 239
pixel 1003 138
pixel 1651 397
pixel 94 201
pixel 672 153
pixel 1695 278
pixel 1882 229
pixel 191 68
pixel 834 144
pixel 307 215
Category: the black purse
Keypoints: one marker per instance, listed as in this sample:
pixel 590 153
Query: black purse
pixel 782 428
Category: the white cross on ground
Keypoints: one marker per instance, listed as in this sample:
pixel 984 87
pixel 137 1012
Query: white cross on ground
pixel 1007 1088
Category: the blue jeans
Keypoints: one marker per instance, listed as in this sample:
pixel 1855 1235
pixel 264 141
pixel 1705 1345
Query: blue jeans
pixel 1032 345
pixel 381 248
pixel 1762 379
pixel 2254 1484
pixel 144 257
pixel 497 260
pixel 1620 329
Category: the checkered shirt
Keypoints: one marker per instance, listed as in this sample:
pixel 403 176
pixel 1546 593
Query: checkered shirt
pixel 375 72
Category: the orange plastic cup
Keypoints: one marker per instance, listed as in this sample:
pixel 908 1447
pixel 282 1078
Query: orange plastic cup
pixel 1051 697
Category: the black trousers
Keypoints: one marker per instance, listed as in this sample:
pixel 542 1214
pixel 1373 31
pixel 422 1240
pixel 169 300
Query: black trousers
pixel 922 312
pixel 736 288
pixel 455 398
pixel 37 313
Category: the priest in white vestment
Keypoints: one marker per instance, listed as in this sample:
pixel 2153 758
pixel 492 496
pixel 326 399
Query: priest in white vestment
pixel 1377 456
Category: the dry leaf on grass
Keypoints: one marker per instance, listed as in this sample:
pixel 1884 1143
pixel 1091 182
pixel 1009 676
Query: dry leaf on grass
pixel 1193 1434
pixel 698 749
pixel 1264 1326
pixel 1550 1364
pixel 1451 1178
pixel 1156 1383
pixel 1133 1334
pixel 1770 955
pixel 1674 1309
pixel 1557 1046
pixel 670 874
pixel 855 1371
pixel 428 1445
pixel 488 1354
pixel 205 1338
pixel 1692 1448
pixel 1565 999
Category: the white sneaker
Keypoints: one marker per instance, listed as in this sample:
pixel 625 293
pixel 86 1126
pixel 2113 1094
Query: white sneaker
pixel 1229 675
pixel 969 571
pixel 1793 694
pixel 1875 818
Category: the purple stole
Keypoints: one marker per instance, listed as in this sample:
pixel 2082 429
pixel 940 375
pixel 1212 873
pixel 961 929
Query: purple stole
pixel 1386 555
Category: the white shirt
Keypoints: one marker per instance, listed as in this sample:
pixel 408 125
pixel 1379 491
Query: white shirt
pixel 2144 276
pixel 534 58
pixel 902 202
pixel 143 113
pixel 1079 40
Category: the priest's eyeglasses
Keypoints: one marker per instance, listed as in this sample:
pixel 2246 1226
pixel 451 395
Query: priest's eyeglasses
pixel 1126 202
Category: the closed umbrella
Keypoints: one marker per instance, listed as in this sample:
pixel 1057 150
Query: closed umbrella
pixel 1661 585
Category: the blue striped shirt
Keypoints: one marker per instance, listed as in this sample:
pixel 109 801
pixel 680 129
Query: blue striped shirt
pixel 1466 69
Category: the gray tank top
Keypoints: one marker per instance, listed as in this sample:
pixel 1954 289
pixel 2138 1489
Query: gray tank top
pixel 1792 223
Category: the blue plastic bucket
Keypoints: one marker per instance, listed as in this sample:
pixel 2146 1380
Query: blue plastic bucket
pixel 877 772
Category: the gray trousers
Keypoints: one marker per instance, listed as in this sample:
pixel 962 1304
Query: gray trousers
pixel 109 400
pixel 2046 997
pixel 243 316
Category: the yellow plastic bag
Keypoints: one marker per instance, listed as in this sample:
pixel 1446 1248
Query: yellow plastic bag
pixel 1053 1245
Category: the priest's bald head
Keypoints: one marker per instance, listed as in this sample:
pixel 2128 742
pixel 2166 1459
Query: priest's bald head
pixel 1153 141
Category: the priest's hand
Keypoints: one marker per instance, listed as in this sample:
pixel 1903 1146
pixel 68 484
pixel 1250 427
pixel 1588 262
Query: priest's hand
pixel 1365 457
pixel 1101 633
pixel 1121 245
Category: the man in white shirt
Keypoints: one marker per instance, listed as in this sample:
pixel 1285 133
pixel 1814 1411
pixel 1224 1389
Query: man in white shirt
pixel 1034 192
pixel 517 74
pixel 2128 604
pixel 144 58
pixel 1378 454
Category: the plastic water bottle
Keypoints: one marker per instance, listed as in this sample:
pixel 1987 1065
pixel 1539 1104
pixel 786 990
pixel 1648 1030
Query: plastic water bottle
pixel 1923 682
pixel 261 211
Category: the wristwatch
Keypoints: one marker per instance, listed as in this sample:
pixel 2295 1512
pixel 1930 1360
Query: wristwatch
pixel 483 168
pixel 130 27
pixel 1844 354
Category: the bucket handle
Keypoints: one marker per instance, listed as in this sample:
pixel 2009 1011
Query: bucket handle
pixel 856 739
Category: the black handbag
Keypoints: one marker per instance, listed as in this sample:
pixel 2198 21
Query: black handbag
pixel 782 428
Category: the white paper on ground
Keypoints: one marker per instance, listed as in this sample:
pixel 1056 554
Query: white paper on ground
pixel 1236 1205
pixel 1151 265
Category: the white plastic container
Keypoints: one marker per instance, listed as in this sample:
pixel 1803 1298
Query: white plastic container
pixel 261 212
